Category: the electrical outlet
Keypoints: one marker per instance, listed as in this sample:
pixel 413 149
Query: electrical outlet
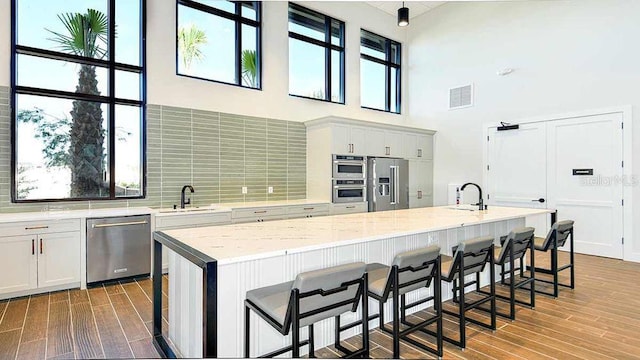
pixel 270 190
pixel 244 189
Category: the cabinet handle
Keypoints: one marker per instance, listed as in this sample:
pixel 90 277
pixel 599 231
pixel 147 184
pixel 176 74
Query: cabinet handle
pixel 36 227
pixel 309 208
pixel 350 207
pixel 419 152
pixel 143 222
pixel 40 245
pixel 419 194
pixel 387 150
pixel 260 212
pixel 33 246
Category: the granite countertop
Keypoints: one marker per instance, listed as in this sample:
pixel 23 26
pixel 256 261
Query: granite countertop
pixel 242 242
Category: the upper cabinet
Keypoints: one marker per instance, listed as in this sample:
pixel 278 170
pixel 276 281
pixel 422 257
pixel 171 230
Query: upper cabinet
pixel 418 146
pixel 348 140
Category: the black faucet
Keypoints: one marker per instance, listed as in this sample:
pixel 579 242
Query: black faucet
pixel 184 202
pixel 480 203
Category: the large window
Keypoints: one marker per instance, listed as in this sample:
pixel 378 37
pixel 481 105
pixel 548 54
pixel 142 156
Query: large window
pixel 78 96
pixel 219 41
pixel 316 55
pixel 379 72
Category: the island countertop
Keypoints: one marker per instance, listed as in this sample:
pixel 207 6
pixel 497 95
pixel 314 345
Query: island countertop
pixel 243 242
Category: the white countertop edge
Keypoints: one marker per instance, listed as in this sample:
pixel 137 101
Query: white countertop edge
pixel 297 250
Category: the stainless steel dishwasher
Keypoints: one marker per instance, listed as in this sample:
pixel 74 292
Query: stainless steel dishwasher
pixel 118 247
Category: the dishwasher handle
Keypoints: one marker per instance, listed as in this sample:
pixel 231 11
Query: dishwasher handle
pixel 143 222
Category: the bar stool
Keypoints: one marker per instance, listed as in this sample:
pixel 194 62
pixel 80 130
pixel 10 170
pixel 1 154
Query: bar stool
pixel 556 237
pixel 514 247
pixel 312 297
pixel 470 257
pixel 409 271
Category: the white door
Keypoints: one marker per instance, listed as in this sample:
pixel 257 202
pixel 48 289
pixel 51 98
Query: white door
pixel 585 180
pixel 517 170
pixel 19 263
pixel 58 259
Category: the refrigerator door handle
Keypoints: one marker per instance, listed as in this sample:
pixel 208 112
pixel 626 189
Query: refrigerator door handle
pixel 393 195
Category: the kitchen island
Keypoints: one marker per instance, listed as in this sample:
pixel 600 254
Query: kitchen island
pixel 212 268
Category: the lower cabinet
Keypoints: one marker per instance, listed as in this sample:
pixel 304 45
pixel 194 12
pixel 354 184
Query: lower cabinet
pixel 39 261
pixel 420 183
pixel 349 208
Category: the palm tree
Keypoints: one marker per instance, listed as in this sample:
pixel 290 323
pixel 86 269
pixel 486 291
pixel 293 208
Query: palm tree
pixel 249 68
pixel 190 39
pixel 86 36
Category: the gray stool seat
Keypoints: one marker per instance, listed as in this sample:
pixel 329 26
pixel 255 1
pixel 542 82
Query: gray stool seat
pixel 313 296
pixel 377 274
pixel 274 299
pixel 409 271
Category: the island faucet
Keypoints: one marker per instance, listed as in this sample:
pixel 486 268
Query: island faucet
pixel 184 202
pixel 480 202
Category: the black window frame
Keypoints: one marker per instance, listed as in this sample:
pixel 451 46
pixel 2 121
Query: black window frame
pixel 239 20
pixel 388 64
pixel 328 47
pixel 110 99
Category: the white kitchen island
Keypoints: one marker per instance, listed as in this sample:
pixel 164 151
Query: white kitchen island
pixel 227 261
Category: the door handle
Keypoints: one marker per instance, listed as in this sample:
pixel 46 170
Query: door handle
pixel 541 200
pixel 40 245
pixel 33 246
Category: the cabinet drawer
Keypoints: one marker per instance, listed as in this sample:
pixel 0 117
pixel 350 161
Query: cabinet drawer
pixel 39 227
pixel 351 208
pixel 312 209
pixel 191 220
pixel 258 212
pixel 251 219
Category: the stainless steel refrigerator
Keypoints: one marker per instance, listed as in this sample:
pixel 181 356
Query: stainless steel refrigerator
pixel 387 183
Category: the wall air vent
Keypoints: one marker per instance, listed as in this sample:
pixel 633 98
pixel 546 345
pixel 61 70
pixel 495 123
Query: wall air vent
pixel 461 97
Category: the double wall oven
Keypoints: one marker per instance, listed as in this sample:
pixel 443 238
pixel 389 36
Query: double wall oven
pixel 349 182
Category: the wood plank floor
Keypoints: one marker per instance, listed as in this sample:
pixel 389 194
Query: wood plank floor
pixel 598 320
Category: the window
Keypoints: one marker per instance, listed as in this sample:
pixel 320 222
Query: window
pixel 77 99
pixel 379 72
pixel 316 55
pixel 219 41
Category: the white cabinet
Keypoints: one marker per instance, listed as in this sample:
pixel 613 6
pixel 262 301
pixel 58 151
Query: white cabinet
pixel 20 263
pixel 39 255
pixel 418 146
pixel 58 259
pixel 393 144
pixel 347 139
pixel 375 142
pixel 258 214
pixel 189 220
pixel 307 211
pixel 420 183
pixel 349 208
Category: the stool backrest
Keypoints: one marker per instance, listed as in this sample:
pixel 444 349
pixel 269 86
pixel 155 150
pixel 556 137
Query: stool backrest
pixel 328 288
pixel 518 240
pixel 559 230
pixel 416 268
pixel 476 253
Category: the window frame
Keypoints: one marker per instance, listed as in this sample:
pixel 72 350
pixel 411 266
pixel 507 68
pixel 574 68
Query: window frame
pixel 328 47
pixel 388 64
pixel 238 20
pixel 109 99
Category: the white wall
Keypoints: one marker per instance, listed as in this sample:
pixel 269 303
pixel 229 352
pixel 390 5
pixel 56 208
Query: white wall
pixel 164 87
pixel 567 55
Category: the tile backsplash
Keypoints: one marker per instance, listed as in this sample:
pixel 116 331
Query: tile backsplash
pixel 216 153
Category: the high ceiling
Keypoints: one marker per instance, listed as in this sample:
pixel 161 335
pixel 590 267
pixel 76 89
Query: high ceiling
pixel 415 7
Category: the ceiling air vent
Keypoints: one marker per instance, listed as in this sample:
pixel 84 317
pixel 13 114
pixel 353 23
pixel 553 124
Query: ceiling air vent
pixel 461 97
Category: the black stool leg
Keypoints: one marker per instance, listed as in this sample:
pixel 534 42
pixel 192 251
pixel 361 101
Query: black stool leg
pixel 336 341
pixel 571 261
pixel 463 319
pixel 512 288
pixel 396 320
pixel 554 269
pixel 295 326
pixel 312 351
pixel 246 331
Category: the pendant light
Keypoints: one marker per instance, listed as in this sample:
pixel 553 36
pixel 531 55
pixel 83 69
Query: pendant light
pixel 403 16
